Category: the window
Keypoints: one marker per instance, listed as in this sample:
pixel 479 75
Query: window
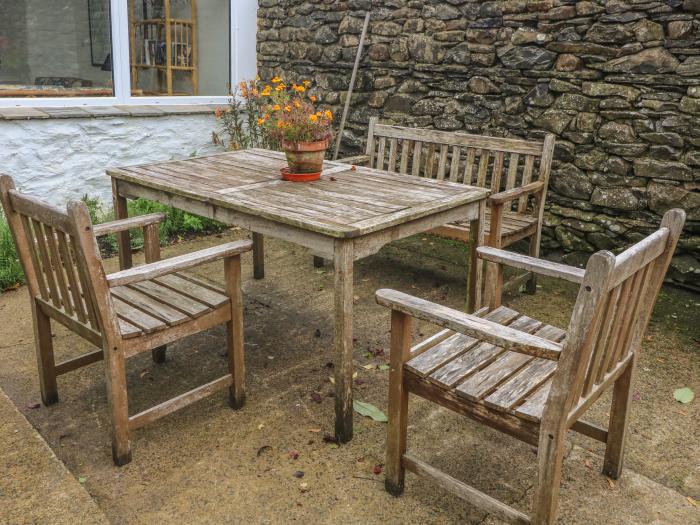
pixel 54 49
pixel 100 52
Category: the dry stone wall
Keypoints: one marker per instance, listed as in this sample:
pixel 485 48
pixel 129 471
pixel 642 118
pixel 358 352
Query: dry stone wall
pixel 617 81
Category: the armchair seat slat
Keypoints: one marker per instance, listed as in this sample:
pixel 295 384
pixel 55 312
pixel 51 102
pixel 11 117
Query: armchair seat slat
pixel 153 305
pixel 485 374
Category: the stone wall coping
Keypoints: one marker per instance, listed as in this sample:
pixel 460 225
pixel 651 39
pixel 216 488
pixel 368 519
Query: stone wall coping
pixel 29 113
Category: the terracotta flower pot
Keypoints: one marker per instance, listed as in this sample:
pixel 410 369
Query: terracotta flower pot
pixel 305 157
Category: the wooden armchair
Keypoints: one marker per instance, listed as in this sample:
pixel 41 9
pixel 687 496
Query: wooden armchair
pixel 124 313
pixel 516 171
pixel 526 378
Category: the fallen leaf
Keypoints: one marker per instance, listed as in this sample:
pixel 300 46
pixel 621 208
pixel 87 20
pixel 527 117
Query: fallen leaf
pixel 315 430
pixel 82 479
pixel 304 487
pixel 263 449
pixel 315 397
pixel 369 410
pixel 636 396
pixel 299 474
pixel 692 501
pixel 383 367
pixel 331 379
pixel 683 395
pixel 332 179
pixel 588 464
pixel 327 438
pixel 317 333
pixel 377 469
pixel 611 483
pixel 369 366
pixel 293 454
pixel 33 406
pixel 261 426
pixel 145 373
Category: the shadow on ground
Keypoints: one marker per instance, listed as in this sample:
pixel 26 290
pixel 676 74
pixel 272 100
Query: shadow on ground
pixel 209 464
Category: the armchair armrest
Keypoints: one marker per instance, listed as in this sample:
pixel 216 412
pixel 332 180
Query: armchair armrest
pixel 532 264
pixel 174 264
pixel 357 159
pixel 514 193
pixel 470 325
pixel 121 225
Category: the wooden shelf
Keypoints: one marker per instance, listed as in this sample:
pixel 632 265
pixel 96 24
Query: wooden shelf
pixel 166 45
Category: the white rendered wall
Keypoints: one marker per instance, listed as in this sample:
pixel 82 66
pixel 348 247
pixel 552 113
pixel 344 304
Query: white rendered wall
pixel 62 159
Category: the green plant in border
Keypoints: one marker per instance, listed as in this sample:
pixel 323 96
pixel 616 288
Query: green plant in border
pixel 10 268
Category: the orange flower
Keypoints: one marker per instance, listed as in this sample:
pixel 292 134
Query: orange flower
pixel 276 107
pixel 276 80
pixel 261 121
pixel 328 115
pixel 297 104
pixel 287 109
pixel 280 124
pixel 313 118
pixel 313 98
pixel 307 83
pixel 280 87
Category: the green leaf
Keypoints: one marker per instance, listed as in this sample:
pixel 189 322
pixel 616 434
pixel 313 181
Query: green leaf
pixel 82 479
pixel 683 395
pixel 383 367
pixel 368 410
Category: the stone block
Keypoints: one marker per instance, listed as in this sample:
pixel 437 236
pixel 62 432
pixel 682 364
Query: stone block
pixel 662 170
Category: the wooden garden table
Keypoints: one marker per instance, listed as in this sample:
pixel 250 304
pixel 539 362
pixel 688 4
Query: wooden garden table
pixel 349 214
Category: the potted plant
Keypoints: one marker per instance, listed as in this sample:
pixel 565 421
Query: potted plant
pixel 303 131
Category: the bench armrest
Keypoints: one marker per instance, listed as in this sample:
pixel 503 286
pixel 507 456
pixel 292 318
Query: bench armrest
pixel 514 193
pixel 181 262
pixel 470 325
pixel 531 264
pixel 121 225
pixel 357 159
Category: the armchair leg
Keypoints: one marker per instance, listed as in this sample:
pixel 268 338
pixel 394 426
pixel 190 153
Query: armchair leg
pixel 118 404
pixel 550 457
pixel 617 429
pixel 44 355
pixel 534 251
pixel 158 354
pixel 258 256
pixel 398 403
pixel 234 332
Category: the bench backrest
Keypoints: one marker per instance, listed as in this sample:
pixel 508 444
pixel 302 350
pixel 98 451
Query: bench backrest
pixel 60 259
pixel 610 316
pixel 489 162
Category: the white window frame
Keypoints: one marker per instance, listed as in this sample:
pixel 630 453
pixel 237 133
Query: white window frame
pixel 243 26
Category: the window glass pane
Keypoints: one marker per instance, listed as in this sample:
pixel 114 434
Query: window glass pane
pixel 60 48
pixel 179 47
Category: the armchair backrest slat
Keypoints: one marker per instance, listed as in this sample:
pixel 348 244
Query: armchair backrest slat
pixel 53 255
pixel 609 319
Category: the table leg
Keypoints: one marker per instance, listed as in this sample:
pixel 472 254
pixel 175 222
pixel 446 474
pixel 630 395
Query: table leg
pixel 319 262
pixel 121 211
pixel 258 256
pixel 476 239
pixel 343 260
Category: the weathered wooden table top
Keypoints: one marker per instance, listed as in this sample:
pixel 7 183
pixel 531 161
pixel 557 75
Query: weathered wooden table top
pixel 347 201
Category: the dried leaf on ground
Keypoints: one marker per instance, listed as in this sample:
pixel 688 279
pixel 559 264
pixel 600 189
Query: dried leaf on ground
pixel 683 395
pixel 369 410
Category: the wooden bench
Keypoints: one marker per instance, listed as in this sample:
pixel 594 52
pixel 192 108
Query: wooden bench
pixel 516 171
pixel 524 377
pixel 124 313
